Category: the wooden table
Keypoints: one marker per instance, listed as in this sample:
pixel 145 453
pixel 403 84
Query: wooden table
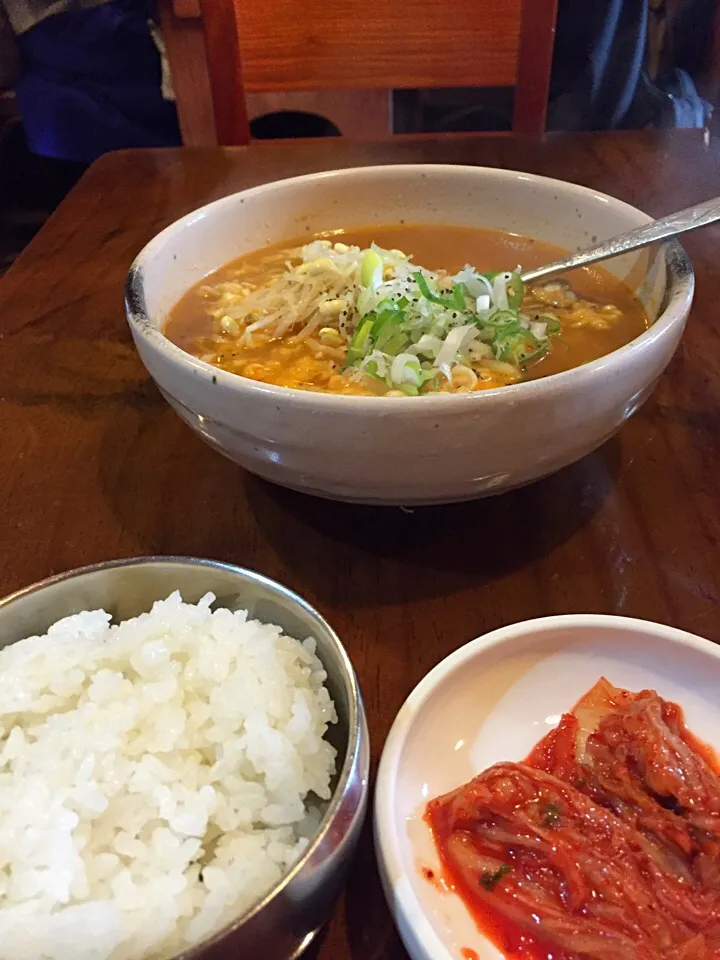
pixel 95 465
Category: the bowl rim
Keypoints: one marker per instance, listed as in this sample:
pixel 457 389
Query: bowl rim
pixel 357 732
pixel 677 303
pixel 404 905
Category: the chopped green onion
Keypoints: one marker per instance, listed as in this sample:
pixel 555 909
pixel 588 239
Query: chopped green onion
pixel 387 312
pixel 364 301
pixel 516 292
pixel 510 328
pixel 405 369
pixel 392 340
pixel 501 317
pixel 490 880
pixel 554 327
pixel 371 269
pixel 459 297
pixel 406 340
pixel 387 304
pixel 429 295
pixel 360 342
pixel 524 353
pixel 550 816
pixel 535 355
pixel 379 321
pixel 516 347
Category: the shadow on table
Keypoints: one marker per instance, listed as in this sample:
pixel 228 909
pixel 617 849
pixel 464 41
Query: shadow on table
pixel 370 928
pixel 153 471
pixel 363 554
pixel 362 914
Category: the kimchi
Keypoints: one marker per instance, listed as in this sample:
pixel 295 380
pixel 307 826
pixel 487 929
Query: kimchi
pixel 603 845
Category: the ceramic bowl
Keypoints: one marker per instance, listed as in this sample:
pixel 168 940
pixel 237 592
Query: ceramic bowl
pixel 406 451
pixel 492 700
pixel 285 921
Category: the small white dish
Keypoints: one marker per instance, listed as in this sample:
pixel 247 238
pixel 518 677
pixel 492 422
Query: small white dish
pixel 492 700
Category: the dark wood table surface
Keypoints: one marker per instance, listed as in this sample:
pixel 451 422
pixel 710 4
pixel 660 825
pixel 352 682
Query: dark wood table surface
pixel 95 465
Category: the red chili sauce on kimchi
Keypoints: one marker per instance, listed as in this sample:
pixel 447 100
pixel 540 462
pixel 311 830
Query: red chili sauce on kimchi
pixel 603 845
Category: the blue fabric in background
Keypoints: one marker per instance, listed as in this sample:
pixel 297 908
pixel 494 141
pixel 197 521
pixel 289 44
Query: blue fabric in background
pixel 597 64
pixel 599 76
pixel 91 83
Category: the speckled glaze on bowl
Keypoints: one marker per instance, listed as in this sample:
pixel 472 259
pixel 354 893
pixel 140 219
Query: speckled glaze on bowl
pixel 422 450
pixel 285 921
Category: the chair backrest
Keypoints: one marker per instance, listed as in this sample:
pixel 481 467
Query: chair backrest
pixel 299 45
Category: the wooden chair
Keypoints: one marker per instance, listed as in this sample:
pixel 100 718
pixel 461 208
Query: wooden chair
pixel 221 50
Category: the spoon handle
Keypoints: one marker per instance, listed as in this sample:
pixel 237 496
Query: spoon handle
pixel 689 219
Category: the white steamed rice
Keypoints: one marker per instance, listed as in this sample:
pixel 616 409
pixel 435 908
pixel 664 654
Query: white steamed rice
pixel 154 778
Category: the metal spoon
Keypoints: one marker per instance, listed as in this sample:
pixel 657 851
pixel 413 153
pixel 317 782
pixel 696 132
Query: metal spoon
pixel 690 219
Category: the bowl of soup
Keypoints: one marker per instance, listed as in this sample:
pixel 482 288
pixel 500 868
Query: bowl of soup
pixel 365 335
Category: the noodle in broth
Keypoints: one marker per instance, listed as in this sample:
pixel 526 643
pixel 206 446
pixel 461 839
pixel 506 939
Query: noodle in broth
pixel 350 313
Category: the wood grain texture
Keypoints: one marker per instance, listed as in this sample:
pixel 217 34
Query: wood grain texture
pixel 225 71
pixel 358 113
pixel 184 40
pixel 95 464
pixel 187 9
pixel 274 48
pixel 532 87
pixel 377 43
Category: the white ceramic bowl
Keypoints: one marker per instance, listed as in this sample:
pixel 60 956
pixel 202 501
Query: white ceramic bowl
pixel 492 700
pixel 417 450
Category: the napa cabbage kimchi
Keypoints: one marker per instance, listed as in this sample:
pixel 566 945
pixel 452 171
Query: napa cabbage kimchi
pixel 603 845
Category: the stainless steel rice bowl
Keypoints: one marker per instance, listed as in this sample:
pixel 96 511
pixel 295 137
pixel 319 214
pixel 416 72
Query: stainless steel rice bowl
pixel 285 921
